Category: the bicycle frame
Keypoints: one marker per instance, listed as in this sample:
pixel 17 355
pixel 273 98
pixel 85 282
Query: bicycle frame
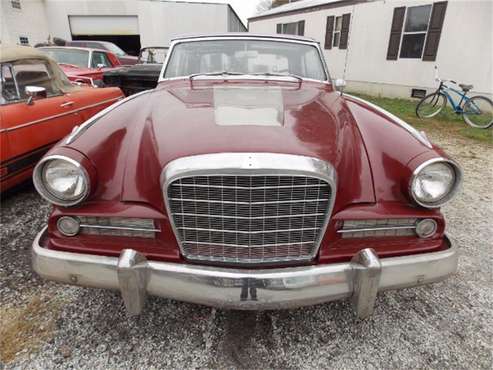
pixel 444 89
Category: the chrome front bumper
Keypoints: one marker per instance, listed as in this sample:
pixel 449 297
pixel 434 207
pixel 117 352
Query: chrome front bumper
pixel 261 289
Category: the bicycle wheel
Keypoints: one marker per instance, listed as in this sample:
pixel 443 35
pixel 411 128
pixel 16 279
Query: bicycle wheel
pixel 431 105
pixel 478 112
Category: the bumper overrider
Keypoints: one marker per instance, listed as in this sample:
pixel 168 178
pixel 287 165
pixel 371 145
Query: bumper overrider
pixel 245 289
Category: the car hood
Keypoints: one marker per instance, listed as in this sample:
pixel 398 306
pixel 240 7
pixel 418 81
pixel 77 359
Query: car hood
pixel 132 145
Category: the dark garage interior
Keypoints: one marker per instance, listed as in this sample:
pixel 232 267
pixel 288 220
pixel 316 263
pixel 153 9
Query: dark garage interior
pixel 129 43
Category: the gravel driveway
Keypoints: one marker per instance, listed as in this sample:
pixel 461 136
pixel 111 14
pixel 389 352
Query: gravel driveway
pixel 446 325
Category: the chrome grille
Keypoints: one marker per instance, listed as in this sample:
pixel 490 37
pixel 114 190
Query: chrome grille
pixel 249 219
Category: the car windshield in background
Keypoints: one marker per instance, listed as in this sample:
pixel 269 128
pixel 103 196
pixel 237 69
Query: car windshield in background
pixel 153 55
pixel 114 49
pixel 79 58
pixel 245 57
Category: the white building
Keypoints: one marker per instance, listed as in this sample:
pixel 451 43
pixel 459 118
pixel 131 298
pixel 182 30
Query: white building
pixel 390 48
pixel 129 23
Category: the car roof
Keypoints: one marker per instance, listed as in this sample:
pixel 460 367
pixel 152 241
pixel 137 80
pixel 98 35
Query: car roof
pixel 10 53
pixel 71 47
pixel 246 35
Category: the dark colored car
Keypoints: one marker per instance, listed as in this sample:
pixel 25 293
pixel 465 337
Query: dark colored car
pixel 245 180
pixel 122 56
pixel 142 76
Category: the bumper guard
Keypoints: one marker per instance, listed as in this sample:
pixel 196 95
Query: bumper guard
pixel 360 279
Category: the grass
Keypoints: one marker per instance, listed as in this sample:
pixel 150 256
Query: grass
pixel 447 120
pixel 24 329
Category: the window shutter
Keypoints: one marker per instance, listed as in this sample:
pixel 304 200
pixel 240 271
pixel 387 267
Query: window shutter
pixel 344 31
pixel 329 30
pixel 434 31
pixel 301 28
pixel 395 33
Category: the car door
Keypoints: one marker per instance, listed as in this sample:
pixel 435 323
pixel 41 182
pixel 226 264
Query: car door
pixel 31 128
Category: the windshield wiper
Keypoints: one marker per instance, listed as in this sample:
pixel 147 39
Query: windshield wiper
pixel 270 74
pixel 221 73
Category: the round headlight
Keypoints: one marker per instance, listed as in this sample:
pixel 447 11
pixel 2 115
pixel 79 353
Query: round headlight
pixel 61 180
pixel 435 182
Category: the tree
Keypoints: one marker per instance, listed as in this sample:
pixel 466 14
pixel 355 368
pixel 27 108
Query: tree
pixel 263 6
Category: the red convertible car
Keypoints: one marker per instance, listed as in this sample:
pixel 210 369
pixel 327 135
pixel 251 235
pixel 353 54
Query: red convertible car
pixel 83 65
pixel 245 180
pixel 38 107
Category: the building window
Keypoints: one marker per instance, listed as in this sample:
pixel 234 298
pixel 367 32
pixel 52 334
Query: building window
pixel 16 4
pixel 23 40
pixel 415 28
pixel 337 32
pixel 294 28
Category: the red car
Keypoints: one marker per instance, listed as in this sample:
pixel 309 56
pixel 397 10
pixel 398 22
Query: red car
pixel 38 107
pixel 83 65
pixel 122 56
pixel 246 181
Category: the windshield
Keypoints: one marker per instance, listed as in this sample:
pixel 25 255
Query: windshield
pixel 245 57
pixel 114 49
pixel 79 58
pixel 153 55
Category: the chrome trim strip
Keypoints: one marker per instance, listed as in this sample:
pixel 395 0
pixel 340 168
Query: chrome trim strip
pixel 248 188
pixel 342 231
pixel 417 135
pixel 40 187
pixel 83 127
pixel 57 115
pixel 89 226
pixel 246 37
pixel 244 232
pixel 450 195
pixel 249 164
pixel 245 245
pixel 246 203
pixel 135 276
pixel 248 218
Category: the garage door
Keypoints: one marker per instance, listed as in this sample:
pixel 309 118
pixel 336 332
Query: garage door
pixel 103 25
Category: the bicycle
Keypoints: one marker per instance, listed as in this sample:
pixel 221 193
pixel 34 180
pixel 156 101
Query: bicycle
pixel 477 111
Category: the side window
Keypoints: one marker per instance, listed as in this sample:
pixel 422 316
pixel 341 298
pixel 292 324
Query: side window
pixel 33 73
pixel 99 58
pixel 9 88
pixel 415 31
pixel 415 28
pixel 337 31
pixel 311 60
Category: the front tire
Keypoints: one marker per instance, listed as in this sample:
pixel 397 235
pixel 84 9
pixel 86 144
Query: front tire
pixel 478 112
pixel 431 105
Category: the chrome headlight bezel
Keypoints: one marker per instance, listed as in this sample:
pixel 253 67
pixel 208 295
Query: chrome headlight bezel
pixel 43 190
pixel 449 195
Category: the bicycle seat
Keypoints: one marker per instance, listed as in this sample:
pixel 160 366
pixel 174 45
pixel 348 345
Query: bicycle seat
pixel 466 87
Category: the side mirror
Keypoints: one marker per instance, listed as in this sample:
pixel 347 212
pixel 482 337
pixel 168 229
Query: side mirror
pixel 34 92
pixel 340 84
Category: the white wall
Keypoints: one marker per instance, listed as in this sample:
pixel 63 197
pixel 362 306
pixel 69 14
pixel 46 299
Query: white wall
pixel 29 21
pixel 464 53
pixel 158 21
pixel 161 21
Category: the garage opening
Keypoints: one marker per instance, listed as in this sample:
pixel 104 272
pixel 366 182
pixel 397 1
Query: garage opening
pixel 128 43
pixel 120 30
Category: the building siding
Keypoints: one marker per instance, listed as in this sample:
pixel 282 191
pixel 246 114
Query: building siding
pixel 464 53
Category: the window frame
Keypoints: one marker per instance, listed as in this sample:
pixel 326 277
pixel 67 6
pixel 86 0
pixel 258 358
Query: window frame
pixel 337 31
pixel 110 64
pixel 20 99
pixel 21 40
pixel 425 32
pixel 174 43
pixel 16 4
pixel 286 25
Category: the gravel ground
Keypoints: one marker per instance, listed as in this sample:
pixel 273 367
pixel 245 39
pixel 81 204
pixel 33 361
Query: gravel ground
pixel 447 325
